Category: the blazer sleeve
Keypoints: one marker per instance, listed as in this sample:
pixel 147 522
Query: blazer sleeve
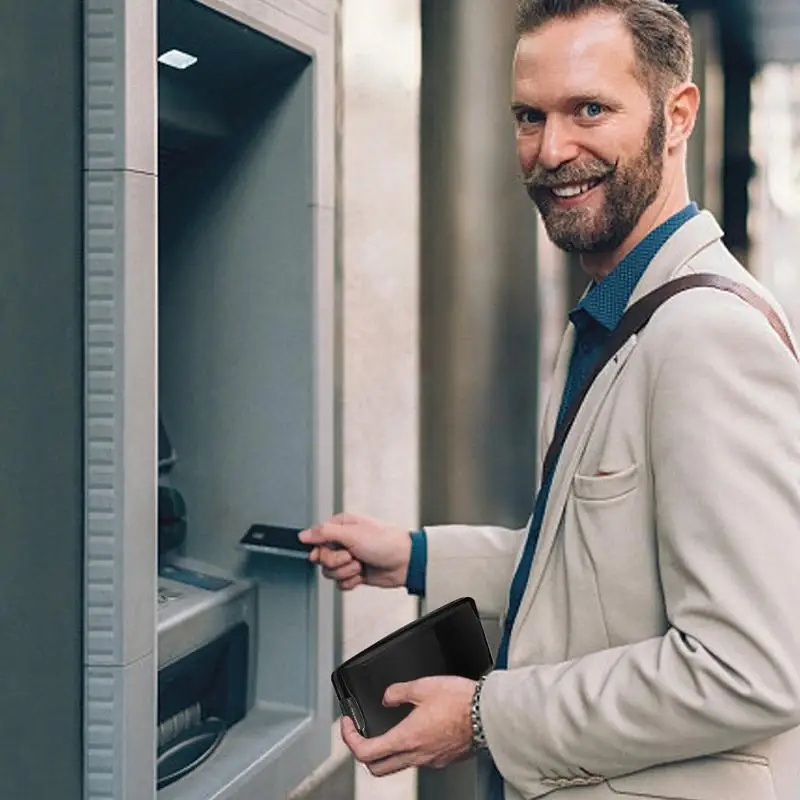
pixel 471 561
pixel 725 454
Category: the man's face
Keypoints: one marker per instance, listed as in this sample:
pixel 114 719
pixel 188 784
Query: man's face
pixel 590 139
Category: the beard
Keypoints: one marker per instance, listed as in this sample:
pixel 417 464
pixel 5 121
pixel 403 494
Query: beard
pixel 629 189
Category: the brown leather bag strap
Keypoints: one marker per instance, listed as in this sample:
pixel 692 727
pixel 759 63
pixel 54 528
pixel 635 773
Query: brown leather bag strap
pixel 637 316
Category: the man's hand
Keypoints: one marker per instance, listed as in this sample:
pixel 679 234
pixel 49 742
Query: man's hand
pixel 436 733
pixel 354 550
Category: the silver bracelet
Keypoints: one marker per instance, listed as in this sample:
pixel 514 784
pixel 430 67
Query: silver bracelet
pixel 478 734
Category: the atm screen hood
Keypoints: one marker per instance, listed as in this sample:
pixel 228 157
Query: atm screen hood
pixel 237 68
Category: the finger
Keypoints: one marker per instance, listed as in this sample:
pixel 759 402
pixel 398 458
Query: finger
pixel 350 584
pixel 313 535
pixel 395 763
pixel 399 693
pixel 333 559
pixel 350 734
pixel 343 518
pixel 343 573
pixel 331 534
pixel 368 751
pixel 309 535
pixel 317 535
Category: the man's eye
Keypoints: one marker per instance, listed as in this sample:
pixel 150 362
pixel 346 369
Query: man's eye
pixel 529 117
pixel 592 110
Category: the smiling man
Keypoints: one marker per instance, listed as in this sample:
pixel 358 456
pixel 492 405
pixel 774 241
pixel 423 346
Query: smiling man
pixel 591 136
pixel 649 607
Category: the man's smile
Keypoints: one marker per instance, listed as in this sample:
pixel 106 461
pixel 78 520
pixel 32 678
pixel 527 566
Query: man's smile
pixel 568 195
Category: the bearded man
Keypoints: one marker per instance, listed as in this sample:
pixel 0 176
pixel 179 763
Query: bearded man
pixel 651 644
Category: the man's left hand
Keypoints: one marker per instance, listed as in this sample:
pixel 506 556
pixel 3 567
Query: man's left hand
pixel 436 733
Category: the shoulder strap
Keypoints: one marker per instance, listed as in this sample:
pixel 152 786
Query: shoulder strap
pixel 636 317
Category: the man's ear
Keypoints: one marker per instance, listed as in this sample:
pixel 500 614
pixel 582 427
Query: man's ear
pixel 683 105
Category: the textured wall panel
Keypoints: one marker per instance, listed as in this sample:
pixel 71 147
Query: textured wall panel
pixel 105 84
pixel 120 416
pixel 103 408
pixel 120 398
pixel 120 714
pixel 120 85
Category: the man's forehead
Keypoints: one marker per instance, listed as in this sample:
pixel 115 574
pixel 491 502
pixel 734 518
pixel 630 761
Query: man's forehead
pixel 575 53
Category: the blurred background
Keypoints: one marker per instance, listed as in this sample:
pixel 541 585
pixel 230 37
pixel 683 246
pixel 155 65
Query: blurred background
pixel 454 301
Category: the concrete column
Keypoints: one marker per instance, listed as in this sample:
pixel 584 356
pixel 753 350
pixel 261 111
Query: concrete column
pixel 739 167
pixel 479 273
pixel 707 142
pixel 380 291
pixel 480 320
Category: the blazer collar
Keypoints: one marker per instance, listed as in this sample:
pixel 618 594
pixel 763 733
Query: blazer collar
pixel 693 236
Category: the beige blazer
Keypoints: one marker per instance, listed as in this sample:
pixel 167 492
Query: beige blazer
pixel 656 653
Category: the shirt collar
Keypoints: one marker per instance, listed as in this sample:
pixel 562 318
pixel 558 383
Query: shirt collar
pixel 607 300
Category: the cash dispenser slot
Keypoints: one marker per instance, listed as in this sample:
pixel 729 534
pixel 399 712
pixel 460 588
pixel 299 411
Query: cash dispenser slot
pixel 205 621
pixel 205 624
pixel 200 697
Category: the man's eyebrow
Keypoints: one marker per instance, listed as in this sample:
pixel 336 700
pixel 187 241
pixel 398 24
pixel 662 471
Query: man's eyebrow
pixel 518 105
pixel 572 101
pixel 590 97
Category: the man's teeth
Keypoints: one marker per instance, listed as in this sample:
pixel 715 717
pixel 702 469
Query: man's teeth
pixel 571 191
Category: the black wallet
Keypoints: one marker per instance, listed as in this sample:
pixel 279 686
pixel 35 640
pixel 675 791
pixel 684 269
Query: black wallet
pixel 448 641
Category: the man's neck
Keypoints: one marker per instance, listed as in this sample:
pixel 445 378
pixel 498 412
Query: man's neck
pixel 598 265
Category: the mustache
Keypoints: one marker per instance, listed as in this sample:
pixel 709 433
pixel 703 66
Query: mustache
pixel 541 178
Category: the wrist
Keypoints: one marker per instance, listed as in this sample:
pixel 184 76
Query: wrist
pixel 398 573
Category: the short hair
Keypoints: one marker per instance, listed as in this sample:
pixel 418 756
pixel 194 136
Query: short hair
pixel 661 35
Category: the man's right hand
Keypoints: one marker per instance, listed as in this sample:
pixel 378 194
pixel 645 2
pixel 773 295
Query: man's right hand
pixel 353 550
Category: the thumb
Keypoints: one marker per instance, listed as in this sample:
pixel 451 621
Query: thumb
pixel 329 533
pixel 343 518
pixel 400 693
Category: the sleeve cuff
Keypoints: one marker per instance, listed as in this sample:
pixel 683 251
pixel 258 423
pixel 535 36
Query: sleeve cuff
pixel 417 563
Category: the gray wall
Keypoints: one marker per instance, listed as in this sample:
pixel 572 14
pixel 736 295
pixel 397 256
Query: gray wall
pixel 479 294
pixel 41 514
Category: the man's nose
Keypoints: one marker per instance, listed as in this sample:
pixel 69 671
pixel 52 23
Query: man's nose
pixel 558 144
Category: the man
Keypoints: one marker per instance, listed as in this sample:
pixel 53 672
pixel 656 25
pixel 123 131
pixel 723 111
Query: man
pixel 650 608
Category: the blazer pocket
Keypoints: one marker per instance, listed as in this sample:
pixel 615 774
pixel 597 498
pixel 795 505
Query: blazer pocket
pixel 609 523
pixel 726 777
pixel 606 487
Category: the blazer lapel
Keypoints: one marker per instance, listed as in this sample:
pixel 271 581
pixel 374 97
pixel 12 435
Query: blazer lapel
pixel 565 469
pixel 559 381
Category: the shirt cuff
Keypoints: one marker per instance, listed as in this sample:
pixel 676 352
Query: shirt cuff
pixel 417 563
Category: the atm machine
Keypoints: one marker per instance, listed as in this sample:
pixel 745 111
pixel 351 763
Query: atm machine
pixel 209 394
